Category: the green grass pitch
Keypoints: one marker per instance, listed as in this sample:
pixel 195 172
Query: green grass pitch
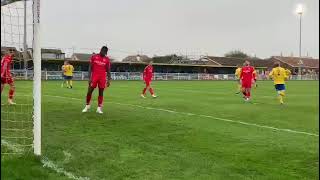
pixel 193 130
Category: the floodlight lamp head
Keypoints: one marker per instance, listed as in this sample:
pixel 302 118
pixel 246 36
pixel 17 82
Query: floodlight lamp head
pixel 300 9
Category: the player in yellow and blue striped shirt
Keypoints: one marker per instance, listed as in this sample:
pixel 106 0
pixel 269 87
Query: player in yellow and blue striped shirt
pixel 279 75
pixel 237 75
pixel 67 69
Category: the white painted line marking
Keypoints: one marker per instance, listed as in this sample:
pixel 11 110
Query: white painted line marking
pixel 50 164
pixel 46 162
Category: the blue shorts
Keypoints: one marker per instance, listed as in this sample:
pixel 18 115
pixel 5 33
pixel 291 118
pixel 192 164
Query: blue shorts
pixel 280 87
pixel 68 77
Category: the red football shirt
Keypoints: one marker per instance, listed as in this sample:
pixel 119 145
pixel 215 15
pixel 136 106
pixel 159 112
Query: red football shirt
pixel 6 66
pixel 247 74
pixel 148 73
pixel 99 65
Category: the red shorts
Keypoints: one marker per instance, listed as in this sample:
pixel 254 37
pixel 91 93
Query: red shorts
pixel 98 81
pixel 7 80
pixel 148 82
pixel 246 84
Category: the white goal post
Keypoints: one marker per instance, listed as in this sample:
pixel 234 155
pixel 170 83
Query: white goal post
pixel 20 34
pixel 36 78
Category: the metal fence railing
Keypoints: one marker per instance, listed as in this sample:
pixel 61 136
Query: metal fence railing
pixel 82 75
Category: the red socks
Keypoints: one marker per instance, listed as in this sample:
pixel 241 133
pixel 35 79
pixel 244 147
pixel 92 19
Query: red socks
pixel 11 93
pixel 100 101
pixel 144 91
pixel 246 94
pixel 151 91
pixel 88 99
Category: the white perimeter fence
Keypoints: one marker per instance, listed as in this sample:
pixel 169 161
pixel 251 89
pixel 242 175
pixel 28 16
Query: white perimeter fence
pixel 81 75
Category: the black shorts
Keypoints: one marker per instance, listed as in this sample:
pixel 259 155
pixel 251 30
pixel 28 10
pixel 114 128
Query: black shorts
pixel 68 77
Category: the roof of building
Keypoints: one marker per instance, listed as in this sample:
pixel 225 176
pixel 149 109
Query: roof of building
pixel 17 54
pixel 84 57
pixel 136 58
pixel 297 61
pixel 81 56
pixel 54 51
pixel 230 61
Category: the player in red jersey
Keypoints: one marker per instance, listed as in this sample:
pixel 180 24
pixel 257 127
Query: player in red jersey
pixel 147 78
pixel 99 70
pixel 6 76
pixel 246 76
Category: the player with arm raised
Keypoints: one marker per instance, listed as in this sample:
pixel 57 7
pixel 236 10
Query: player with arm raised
pixel 6 76
pixel 99 71
pixel 246 77
pixel 279 75
pixel 147 78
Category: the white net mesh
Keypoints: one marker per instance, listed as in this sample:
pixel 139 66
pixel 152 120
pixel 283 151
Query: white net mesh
pixel 17 35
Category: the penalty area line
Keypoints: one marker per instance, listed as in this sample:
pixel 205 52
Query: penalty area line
pixel 50 164
pixel 205 116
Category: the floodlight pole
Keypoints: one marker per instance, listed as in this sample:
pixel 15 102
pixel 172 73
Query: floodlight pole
pixel 300 25
pixel 300 15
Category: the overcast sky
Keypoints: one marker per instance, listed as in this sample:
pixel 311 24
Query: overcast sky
pixel 159 27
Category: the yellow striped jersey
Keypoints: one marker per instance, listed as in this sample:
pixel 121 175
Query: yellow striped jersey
pixel 238 72
pixel 67 70
pixel 279 75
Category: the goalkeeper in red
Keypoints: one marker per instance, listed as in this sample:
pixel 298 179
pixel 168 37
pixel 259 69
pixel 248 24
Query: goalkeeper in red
pixel 247 76
pixel 6 76
pixel 99 71
pixel 147 78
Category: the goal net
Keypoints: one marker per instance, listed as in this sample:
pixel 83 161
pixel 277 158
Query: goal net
pixel 21 122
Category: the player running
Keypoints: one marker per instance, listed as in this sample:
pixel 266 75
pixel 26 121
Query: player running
pixel 237 75
pixel 99 70
pixel 246 77
pixel 6 76
pixel 147 78
pixel 279 75
pixel 68 74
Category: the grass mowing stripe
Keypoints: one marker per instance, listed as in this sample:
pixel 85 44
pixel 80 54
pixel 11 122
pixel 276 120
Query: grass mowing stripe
pixel 217 93
pixel 206 116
